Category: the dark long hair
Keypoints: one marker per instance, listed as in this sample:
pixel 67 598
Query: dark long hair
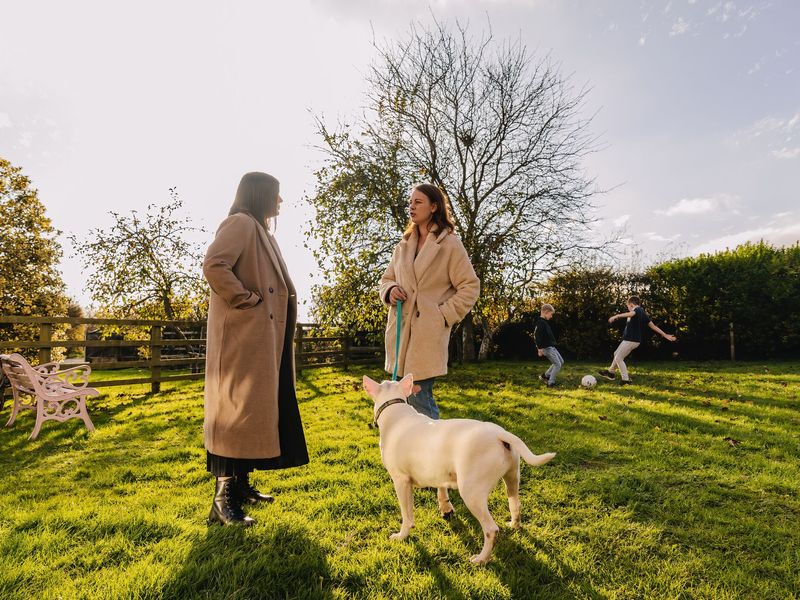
pixel 441 216
pixel 257 195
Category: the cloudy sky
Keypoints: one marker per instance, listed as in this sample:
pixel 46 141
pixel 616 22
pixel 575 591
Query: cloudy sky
pixel 106 106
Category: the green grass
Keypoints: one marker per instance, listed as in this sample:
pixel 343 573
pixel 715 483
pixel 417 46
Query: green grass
pixel 683 486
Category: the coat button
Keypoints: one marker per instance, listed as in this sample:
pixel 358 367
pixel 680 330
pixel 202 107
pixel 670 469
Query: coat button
pixel 271 290
pixel 270 315
pixel 417 313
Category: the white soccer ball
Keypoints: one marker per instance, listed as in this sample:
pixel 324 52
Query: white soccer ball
pixel 588 381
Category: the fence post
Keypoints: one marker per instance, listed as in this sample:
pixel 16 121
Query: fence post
pixel 733 344
pixel 155 356
pixel 346 349
pixel 298 348
pixel 45 335
pixel 202 336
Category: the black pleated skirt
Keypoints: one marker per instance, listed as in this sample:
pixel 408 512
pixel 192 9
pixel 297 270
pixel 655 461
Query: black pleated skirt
pixel 294 452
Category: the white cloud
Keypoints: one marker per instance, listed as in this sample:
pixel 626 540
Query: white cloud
pixel 754 69
pixel 5 120
pixel 656 237
pixel 679 27
pixel 776 134
pixel 701 206
pixel 764 126
pixel 626 241
pixel 642 40
pixel 620 221
pixel 785 235
pixel 787 152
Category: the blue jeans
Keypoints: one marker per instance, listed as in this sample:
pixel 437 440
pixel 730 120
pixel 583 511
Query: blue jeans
pixel 554 357
pixel 423 400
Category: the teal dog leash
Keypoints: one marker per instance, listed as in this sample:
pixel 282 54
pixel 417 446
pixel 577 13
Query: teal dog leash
pixel 397 340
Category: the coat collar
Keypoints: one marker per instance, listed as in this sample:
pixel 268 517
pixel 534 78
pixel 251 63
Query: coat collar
pixel 274 253
pixel 427 254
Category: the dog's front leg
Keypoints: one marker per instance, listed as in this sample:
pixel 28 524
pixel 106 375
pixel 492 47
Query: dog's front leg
pixel 405 496
pixel 445 507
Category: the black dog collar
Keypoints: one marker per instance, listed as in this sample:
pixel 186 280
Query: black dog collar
pixel 386 405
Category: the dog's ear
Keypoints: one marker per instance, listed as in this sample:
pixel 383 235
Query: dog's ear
pixel 370 386
pixel 407 384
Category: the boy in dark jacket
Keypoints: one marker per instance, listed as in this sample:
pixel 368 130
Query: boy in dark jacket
pixel 631 338
pixel 546 345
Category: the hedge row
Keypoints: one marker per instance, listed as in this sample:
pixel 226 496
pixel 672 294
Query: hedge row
pixel 756 287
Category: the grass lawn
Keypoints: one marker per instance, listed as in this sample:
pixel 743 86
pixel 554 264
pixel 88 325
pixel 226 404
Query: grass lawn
pixel 685 485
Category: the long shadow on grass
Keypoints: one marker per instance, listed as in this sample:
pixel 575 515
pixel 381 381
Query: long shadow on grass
pixel 278 560
pixel 513 563
pixel 712 426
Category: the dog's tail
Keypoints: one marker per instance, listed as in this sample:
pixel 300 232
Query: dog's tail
pixel 526 455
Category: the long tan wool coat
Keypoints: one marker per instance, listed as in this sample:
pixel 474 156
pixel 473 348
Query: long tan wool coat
pixel 442 288
pixel 250 295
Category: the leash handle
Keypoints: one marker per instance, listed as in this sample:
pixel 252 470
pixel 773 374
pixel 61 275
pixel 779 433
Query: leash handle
pixel 399 308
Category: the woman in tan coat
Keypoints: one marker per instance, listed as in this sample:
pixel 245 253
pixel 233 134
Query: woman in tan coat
pixel 430 272
pixel 252 419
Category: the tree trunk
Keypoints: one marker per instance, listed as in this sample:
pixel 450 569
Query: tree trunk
pixel 468 339
pixel 486 342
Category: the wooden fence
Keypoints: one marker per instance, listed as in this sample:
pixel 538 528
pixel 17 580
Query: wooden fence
pixel 311 349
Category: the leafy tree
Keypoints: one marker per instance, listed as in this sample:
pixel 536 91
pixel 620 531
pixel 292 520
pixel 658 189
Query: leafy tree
pixel 30 283
pixel 144 265
pixel 500 133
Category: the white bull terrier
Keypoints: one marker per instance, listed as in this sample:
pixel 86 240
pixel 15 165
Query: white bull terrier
pixel 462 454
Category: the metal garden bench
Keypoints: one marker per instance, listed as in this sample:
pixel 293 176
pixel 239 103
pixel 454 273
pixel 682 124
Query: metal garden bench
pixel 55 395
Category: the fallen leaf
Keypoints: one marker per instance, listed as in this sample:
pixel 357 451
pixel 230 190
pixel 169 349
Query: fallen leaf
pixel 603 418
pixel 732 441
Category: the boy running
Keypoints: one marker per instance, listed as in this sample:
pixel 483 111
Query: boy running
pixel 546 345
pixel 631 338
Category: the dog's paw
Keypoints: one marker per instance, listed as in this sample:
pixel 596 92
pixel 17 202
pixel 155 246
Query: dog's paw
pixel 477 559
pixel 398 537
pixel 448 515
pixel 514 524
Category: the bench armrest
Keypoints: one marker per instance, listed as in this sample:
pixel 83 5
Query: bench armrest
pixel 77 377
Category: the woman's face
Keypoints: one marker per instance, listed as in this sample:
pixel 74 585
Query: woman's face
pixel 420 208
pixel 277 207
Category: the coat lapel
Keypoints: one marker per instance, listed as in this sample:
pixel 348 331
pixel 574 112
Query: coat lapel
pixel 281 264
pixel 407 257
pixel 428 254
pixel 280 268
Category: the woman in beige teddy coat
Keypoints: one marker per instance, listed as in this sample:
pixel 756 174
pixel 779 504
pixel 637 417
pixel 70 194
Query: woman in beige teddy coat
pixel 430 272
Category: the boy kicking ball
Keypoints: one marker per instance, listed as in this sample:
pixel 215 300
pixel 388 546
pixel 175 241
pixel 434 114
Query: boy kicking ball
pixel 631 338
pixel 546 345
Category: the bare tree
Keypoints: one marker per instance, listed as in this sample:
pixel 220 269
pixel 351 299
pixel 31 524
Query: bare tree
pixel 503 135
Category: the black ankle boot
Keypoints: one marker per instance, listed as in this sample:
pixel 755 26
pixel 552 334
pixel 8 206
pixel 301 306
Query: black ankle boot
pixel 227 505
pixel 250 494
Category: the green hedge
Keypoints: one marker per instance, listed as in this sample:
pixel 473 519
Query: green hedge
pixel 754 286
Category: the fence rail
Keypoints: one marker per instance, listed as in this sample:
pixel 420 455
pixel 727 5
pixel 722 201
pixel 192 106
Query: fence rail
pixel 310 350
